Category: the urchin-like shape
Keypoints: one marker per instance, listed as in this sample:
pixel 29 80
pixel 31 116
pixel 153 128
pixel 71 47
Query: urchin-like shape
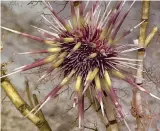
pixel 85 49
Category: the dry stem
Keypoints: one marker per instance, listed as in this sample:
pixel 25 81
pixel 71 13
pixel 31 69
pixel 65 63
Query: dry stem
pixel 109 120
pixel 22 106
pixel 40 113
pixel 137 100
pixel 143 43
pixel 110 113
pixel 28 94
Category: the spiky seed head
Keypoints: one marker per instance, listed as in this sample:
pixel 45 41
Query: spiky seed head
pixel 85 49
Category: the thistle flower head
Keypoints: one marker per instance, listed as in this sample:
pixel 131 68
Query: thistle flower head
pixel 85 48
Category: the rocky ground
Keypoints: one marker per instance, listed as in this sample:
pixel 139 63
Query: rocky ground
pixel 19 16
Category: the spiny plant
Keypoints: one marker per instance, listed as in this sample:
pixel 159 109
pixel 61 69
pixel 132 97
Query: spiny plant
pixel 85 49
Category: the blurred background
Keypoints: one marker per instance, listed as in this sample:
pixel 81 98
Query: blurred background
pixel 59 113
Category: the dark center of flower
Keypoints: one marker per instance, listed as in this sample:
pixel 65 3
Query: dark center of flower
pixel 87 57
